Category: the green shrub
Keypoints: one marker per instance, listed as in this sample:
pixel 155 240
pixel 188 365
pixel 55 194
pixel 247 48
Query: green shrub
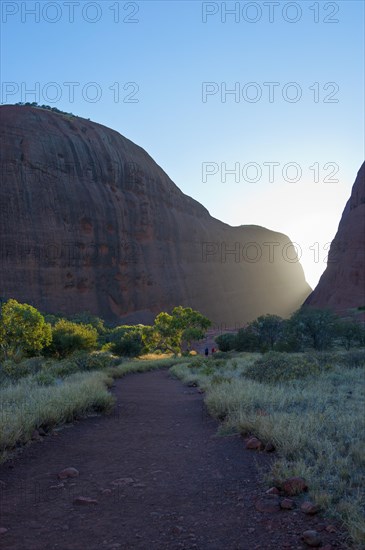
pixel 94 361
pixel 199 362
pixel 23 330
pixel 353 359
pixel 313 327
pixel 61 369
pixel 226 342
pixel 247 340
pixel 218 379
pixel 325 358
pixel 206 370
pixel 129 343
pixel 81 362
pixel 68 337
pixel 218 363
pixel 276 367
pixel 44 378
pixel 15 371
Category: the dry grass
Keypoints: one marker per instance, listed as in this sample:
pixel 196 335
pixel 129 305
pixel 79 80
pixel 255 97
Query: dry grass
pixel 26 406
pixel 35 402
pixel 317 425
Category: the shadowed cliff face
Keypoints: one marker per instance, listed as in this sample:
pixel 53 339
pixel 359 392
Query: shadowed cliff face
pixel 90 222
pixel 342 285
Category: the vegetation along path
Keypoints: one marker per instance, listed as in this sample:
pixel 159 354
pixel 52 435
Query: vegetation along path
pixel 155 476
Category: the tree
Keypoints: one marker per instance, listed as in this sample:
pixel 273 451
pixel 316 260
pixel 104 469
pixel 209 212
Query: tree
pixel 68 337
pixel 314 327
pixel 86 318
pixel 191 323
pixel 349 333
pixel 127 340
pixel 171 332
pixel 247 340
pixel 268 329
pixel 226 342
pixel 22 329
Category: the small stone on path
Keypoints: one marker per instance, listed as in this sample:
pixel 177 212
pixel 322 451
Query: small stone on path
pixel 85 500
pixel 68 472
pixel 312 538
pixel 309 508
pixel 294 486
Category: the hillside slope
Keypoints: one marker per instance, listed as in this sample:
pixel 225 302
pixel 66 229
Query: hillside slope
pixel 90 222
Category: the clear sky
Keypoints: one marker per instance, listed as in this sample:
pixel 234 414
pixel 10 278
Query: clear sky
pixel 160 72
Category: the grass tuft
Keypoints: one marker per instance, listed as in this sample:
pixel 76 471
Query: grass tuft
pixel 315 418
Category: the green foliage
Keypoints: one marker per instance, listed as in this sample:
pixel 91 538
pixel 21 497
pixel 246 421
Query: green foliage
pixel 52 319
pixel 22 329
pixel 317 327
pixel 86 318
pixel 189 324
pixel 247 340
pixel 170 332
pixel 46 107
pixel 226 342
pixel 127 341
pixel 268 329
pixel 44 378
pixel 13 370
pixel 274 367
pixel 353 359
pixel 349 333
pixel 68 337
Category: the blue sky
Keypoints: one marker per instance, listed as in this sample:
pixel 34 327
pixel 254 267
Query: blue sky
pixel 163 54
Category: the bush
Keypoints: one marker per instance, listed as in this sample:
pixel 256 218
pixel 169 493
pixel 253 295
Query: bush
pixel 94 361
pixel 325 358
pixel 349 333
pixel 226 342
pixel 353 359
pixel 313 327
pixel 276 367
pixel 13 370
pixel 68 337
pixel 44 378
pixel 18 369
pixel 268 329
pixel 86 318
pixel 80 362
pixel 200 362
pixel 129 344
pixel 247 340
pixel 23 330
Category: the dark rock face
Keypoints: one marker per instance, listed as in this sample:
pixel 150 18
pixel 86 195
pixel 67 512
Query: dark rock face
pixel 89 222
pixel 342 285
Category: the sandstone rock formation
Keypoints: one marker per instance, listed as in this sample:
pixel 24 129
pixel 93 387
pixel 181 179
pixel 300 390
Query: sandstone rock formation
pixel 89 222
pixel 342 285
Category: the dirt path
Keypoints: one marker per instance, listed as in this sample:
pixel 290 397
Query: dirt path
pixel 180 486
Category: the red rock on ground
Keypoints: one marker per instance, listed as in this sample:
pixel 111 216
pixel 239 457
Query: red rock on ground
pixel 309 508
pixel 254 444
pixel 294 486
pixel 312 538
pixel 268 504
pixel 287 504
pixel 85 500
pixel 273 491
pixel 68 472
